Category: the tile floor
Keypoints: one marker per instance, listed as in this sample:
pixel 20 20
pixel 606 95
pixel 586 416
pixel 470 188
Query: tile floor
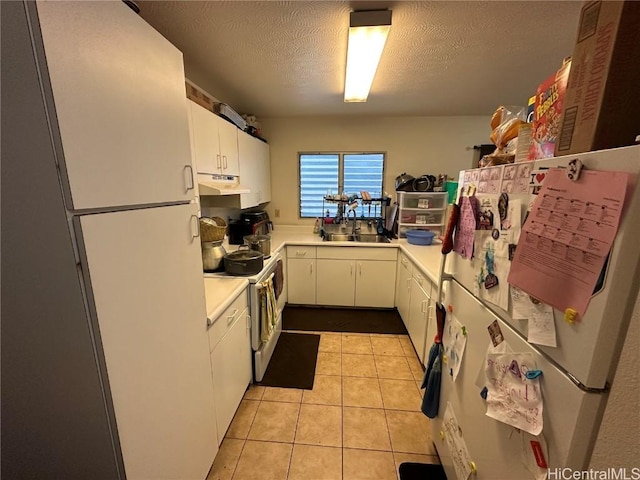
pixel 360 422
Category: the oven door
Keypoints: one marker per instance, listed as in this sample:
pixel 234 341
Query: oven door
pixel 266 314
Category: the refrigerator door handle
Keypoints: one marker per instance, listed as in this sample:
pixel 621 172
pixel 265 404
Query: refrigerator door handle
pixel 190 182
pixel 188 169
pixel 195 222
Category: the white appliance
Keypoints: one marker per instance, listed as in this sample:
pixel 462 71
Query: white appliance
pixel 263 349
pixel 576 374
pixel 106 324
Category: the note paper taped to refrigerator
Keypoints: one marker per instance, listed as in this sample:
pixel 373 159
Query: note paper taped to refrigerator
pixel 513 398
pixel 454 341
pixel 456 444
pixel 567 237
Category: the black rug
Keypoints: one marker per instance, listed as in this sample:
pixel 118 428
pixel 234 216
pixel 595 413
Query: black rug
pixel 356 320
pixel 421 471
pixel 293 363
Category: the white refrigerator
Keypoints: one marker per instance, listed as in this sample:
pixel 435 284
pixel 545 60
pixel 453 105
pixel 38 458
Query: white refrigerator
pixel 105 347
pixel 576 374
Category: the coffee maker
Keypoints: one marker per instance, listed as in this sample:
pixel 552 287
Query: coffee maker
pixel 250 223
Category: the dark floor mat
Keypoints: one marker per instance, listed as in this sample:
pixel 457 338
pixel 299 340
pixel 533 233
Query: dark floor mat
pixel 356 320
pixel 293 363
pixel 421 471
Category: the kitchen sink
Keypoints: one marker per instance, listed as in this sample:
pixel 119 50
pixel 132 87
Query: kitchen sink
pixel 358 237
pixel 371 238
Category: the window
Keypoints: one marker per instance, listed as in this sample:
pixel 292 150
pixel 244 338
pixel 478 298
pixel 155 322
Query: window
pixel 336 173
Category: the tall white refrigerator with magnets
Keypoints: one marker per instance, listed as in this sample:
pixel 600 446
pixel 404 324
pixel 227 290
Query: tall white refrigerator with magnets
pixel 576 374
pixel 107 345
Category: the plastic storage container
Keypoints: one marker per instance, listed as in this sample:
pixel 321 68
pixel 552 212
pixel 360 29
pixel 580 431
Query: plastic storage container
pixel 423 211
pixel 420 237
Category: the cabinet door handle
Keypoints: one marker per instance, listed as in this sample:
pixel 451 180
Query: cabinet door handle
pixel 408 284
pixel 311 268
pixel 196 221
pixel 248 321
pixel 188 171
pixel 300 254
pixel 423 308
pixel 360 269
pixel 224 161
pixel 351 269
pixel 218 161
pixel 231 317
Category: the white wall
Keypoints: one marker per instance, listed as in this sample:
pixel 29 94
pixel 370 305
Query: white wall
pixel 618 441
pixel 416 145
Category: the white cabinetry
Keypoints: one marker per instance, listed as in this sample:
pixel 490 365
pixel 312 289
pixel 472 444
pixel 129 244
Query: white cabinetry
pixel 215 142
pixel 421 211
pixel 336 282
pixel 301 275
pixel 419 312
pixel 230 344
pixel 375 283
pixel 415 305
pixel 255 170
pixel 356 276
pixel 403 285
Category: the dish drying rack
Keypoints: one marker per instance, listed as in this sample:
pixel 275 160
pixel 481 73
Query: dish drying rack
pixel 360 203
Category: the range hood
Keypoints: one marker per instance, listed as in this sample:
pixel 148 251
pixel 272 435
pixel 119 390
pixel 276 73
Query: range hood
pixel 220 185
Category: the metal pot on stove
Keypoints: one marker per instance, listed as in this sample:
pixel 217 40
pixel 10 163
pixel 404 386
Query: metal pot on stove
pixel 243 261
pixel 260 243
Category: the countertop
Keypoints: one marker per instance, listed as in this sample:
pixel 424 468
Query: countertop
pixel 221 291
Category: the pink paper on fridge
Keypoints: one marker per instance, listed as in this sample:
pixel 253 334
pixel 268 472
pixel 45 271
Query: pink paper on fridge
pixel 466 229
pixel 567 237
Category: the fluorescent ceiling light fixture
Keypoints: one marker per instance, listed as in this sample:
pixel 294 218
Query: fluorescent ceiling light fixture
pixel 367 35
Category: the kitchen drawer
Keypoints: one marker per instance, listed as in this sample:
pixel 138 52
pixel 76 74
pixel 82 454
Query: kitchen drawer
pixel 423 218
pixel 226 319
pixel 422 280
pixel 358 253
pixel 301 251
pixel 405 262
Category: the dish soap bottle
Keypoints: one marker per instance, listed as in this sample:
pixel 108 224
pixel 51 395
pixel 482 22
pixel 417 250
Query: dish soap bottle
pixel 316 227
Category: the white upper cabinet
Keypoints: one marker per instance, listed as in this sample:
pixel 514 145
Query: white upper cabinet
pixel 228 134
pixel 255 170
pixel 215 142
pixel 206 144
pixel 118 99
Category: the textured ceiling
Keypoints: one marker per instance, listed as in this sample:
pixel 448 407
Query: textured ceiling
pixel 274 58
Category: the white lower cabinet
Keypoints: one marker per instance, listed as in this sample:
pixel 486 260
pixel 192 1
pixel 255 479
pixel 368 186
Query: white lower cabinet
pixel 230 343
pixel 356 276
pixel 341 276
pixel 418 317
pixel 415 305
pixel 301 275
pixel 336 282
pixel 375 283
pixel 403 285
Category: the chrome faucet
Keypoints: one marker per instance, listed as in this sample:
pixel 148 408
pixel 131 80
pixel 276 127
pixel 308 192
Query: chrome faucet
pixel 355 222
